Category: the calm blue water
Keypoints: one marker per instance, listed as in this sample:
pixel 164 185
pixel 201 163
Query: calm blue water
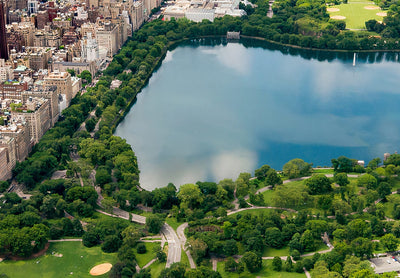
pixel 213 111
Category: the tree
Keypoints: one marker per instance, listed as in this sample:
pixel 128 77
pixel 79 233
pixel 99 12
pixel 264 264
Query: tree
pixel 161 256
pixel 230 265
pixel 72 72
pixel 341 179
pixel 384 190
pixel 297 168
pixel 198 248
pixel 3 186
pixel 393 159
pixel 289 264
pixel 202 272
pixel 362 247
pixel 141 248
pixel 154 223
pixel 144 273
pixel 252 261
pixel 307 241
pixel 317 227
pixel 371 26
pixel 230 247
pixel 190 196
pixel 111 244
pixel 90 238
pixel 126 253
pixel 87 76
pixel 357 228
pixel 367 181
pixel 273 237
pixel 261 173
pixel 343 164
pixel 390 242
pixel 277 264
pixel 90 124
pixel 374 163
pixel 318 184
pixel 176 270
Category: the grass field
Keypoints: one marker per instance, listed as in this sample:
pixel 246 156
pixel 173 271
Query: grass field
pixel 356 14
pixel 173 223
pixel 185 259
pixel 156 268
pixel 323 171
pixel 143 259
pixel 268 197
pixel 272 252
pixel 76 259
pixel 266 271
pixel 97 216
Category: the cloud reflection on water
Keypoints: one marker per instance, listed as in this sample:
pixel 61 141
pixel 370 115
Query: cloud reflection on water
pixel 208 114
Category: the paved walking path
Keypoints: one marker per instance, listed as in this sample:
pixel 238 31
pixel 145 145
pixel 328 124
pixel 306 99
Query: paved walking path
pixel 64 239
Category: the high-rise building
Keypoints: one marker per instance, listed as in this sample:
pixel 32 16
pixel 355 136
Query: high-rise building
pixel 3 36
pixel 7 157
pixel 90 48
pixel 64 86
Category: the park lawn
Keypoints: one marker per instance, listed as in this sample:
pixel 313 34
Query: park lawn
pixel 143 259
pixel 390 204
pixel 355 13
pixel 156 268
pixel 266 271
pixel 102 217
pixel 173 222
pixel 76 259
pixel 185 259
pixel 270 194
pixel 268 197
pixel 323 171
pixel 272 252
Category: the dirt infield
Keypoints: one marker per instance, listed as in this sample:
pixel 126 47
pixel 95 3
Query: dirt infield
pixel 332 9
pixel 372 8
pixel 382 14
pixel 338 17
pixel 100 269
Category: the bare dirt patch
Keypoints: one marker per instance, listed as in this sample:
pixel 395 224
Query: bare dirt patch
pixel 100 269
pixel 372 8
pixel 340 17
pixel 333 9
pixel 59 255
pixel 382 14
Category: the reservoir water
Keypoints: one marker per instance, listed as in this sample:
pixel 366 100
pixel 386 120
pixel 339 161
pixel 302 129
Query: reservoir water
pixel 213 110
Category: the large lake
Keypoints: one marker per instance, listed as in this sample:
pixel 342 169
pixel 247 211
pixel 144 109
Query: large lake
pixel 213 110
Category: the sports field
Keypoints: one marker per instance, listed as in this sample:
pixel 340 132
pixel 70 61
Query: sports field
pixel 62 259
pixel 355 13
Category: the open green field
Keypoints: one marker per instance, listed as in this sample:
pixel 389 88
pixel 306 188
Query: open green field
pixel 272 252
pixel 185 259
pixel 323 171
pixel 356 14
pixel 76 261
pixel 143 259
pixel 266 271
pixel 156 268
pixel 173 222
